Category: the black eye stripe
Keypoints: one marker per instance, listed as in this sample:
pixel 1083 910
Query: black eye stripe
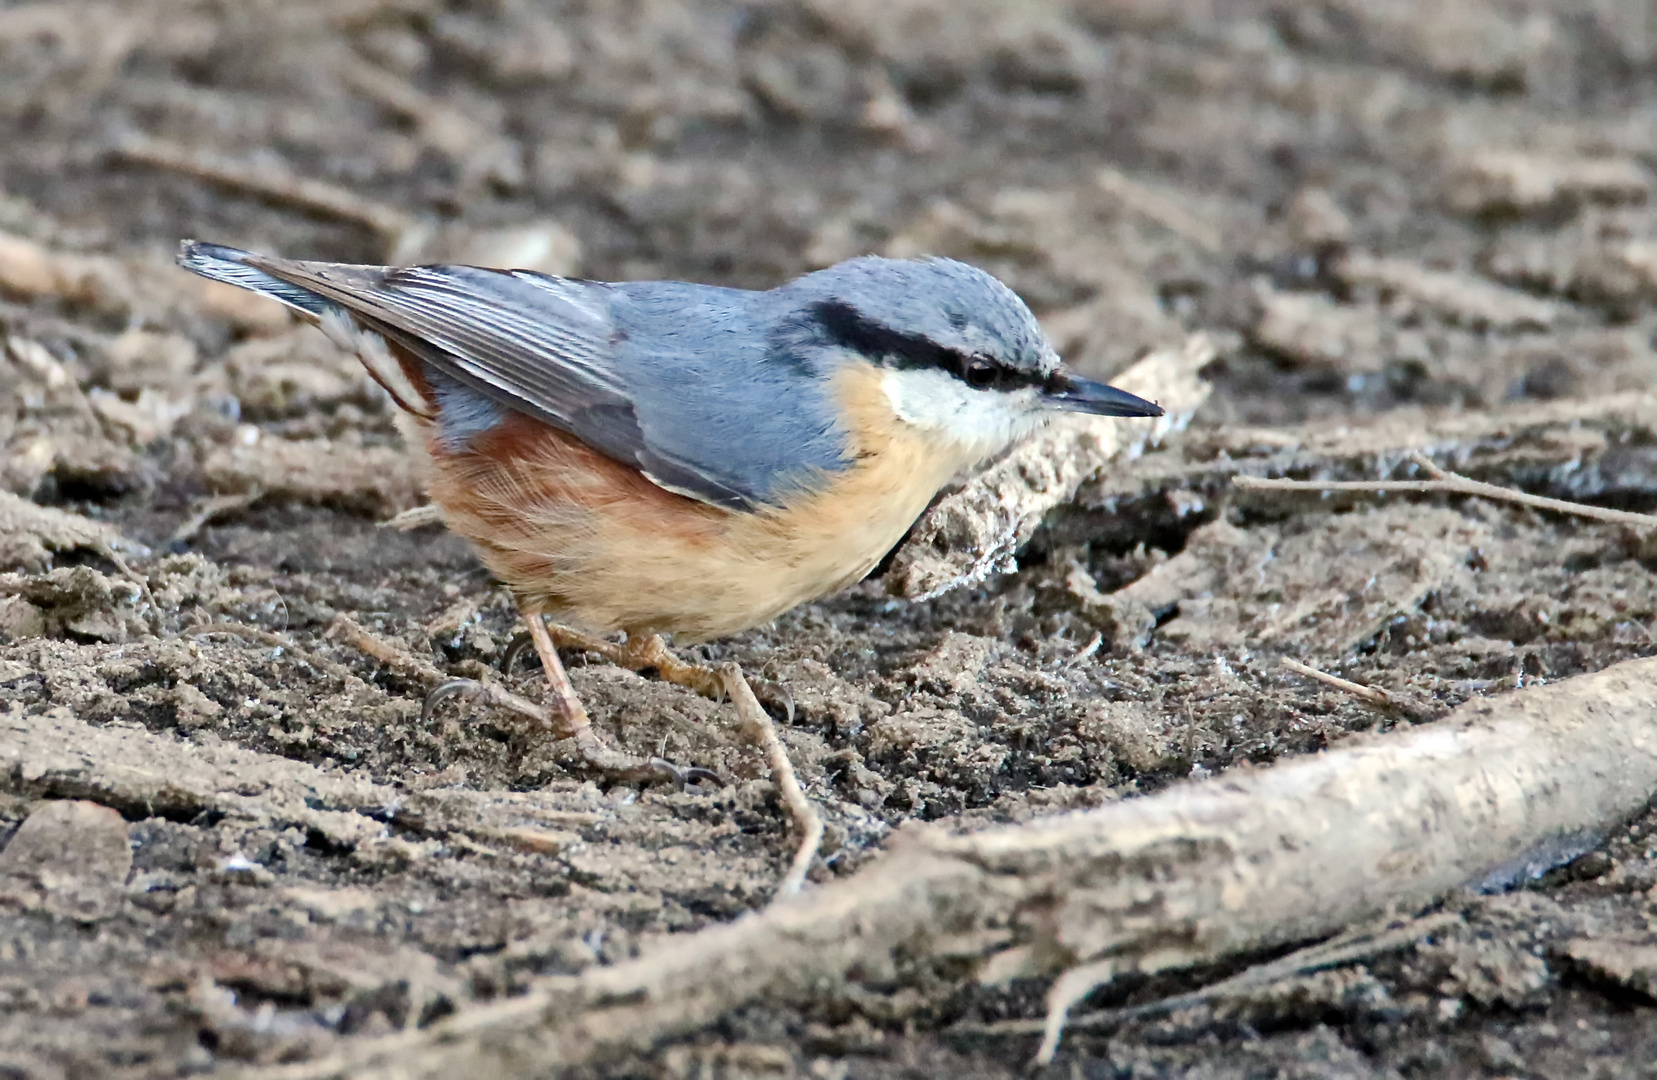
pixel 844 325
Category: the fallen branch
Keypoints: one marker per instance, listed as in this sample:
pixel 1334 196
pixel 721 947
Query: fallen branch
pixel 1208 869
pixel 975 532
pixel 1450 483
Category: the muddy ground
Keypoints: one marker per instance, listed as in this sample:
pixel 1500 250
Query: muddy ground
pixel 1394 217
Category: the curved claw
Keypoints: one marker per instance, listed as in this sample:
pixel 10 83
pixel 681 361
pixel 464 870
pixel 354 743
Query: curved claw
pixel 443 692
pixel 776 695
pixel 678 776
pixel 519 645
pixel 693 774
pixel 662 771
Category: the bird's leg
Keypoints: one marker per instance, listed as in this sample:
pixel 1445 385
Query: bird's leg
pixel 649 652
pixel 569 709
pixel 564 638
pixel 570 719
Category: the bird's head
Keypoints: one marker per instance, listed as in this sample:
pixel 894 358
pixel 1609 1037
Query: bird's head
pixel 959 353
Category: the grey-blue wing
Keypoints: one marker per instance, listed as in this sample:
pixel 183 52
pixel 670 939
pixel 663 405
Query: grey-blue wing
pixel 680 381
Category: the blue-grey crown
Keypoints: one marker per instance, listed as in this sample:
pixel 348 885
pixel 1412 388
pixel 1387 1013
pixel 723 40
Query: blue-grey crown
pixel 921 313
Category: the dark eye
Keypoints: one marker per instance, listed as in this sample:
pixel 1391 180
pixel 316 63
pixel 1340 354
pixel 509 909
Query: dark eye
pixel 980 374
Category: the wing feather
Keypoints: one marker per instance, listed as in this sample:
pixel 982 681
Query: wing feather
pixel 553 348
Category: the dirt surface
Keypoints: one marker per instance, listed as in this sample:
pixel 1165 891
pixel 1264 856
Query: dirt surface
pixel 1409 225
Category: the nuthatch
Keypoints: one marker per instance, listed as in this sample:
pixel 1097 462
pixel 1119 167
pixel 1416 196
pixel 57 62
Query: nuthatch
pixel 657 457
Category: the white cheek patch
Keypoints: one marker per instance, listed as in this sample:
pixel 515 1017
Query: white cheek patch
pixel 982 422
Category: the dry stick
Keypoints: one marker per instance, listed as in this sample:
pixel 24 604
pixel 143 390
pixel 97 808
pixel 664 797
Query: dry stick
pixel 277 641
pixel 1357 690
pixel 273 182
pixel 759 728
pixel 1087 650
pixel 393 655
pixel 1250 860
pixel 414 518
pixel 1348 948
pixel 1450 483
pixel 210 509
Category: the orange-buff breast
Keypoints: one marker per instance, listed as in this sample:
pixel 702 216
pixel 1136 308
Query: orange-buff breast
pixel 596 545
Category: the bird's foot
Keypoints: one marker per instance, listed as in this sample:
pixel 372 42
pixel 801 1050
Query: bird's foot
pixel 648 652
pixel 614 764
pixel 726 681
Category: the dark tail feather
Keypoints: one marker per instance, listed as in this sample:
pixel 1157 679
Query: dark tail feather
pixel 219 263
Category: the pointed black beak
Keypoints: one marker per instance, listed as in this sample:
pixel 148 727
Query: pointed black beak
pixel 1073 393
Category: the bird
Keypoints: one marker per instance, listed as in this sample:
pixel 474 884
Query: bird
pixel 667 458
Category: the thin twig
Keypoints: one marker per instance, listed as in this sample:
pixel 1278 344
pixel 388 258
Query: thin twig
pixel 1450 483
pixel 417 517
pixel 1357 690
pixel 1086 651
pixel 763 732
pixel 1068 991
pixel 271 181
pixel 209 509
pixel 276 641
pixel 1356 945
pixel 393 655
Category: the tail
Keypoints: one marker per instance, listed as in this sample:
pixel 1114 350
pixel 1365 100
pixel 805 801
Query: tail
pixel 219 263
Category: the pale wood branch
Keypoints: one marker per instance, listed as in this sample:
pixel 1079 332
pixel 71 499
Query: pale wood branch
pixel 1190 875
